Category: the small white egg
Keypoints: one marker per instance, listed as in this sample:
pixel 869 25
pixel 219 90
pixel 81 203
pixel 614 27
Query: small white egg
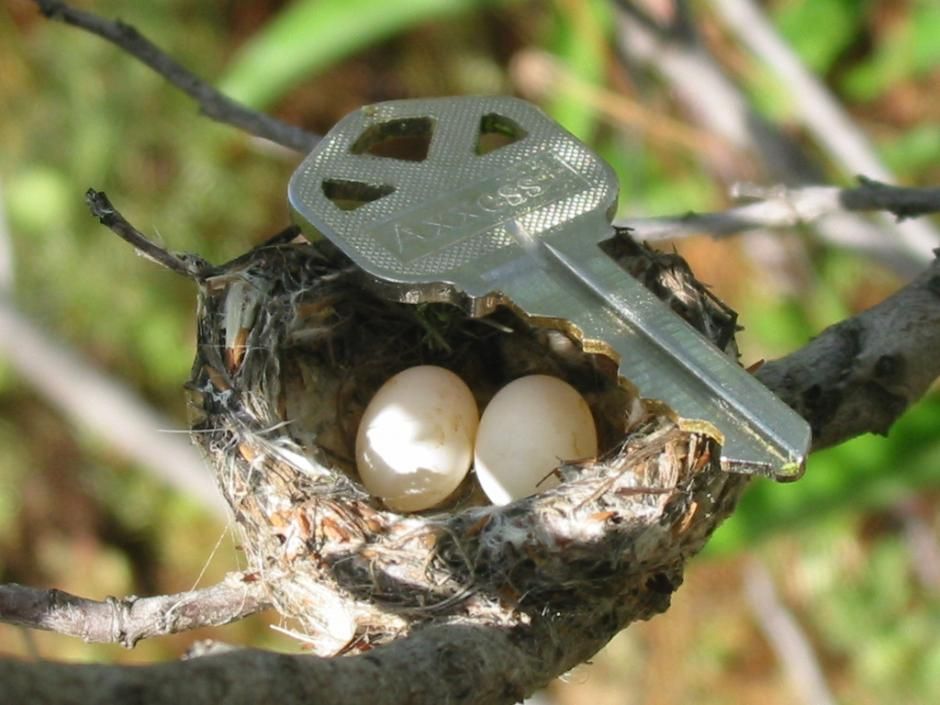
pixel 529 428
pixel 415 440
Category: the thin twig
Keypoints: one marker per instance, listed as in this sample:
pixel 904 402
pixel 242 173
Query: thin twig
pixel 782 207
pixel 212 103
pixel 128 620
pixel 792 647
pixel 819 110
pixel 718 104
pixel 188 265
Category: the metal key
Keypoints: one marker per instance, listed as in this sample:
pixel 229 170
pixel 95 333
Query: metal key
pixel 486 201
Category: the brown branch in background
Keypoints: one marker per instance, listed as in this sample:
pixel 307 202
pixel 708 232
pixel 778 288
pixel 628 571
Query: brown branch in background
pixel 792 647
pixel 128 620
pixel 538 75
pixel 923 544
pixel 212 103
pixel 782 207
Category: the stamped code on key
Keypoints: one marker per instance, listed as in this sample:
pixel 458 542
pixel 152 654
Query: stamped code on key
pixel 522 188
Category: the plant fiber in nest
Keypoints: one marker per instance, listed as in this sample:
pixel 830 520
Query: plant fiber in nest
pixel 291 347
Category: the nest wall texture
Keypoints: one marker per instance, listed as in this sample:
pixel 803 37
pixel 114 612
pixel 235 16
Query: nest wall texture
pixel 291 347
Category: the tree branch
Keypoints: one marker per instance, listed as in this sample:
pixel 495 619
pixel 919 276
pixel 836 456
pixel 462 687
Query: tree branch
pixel 714 101
pixel 782 207
pixel 212 103
pixel 466 664
pixel 128 620
pixel 861 374
pixel 828 121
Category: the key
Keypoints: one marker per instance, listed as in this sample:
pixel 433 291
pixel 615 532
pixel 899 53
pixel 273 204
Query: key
pixel 485 202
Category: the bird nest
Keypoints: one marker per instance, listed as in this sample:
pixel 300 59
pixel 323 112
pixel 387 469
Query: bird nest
pixel 292 347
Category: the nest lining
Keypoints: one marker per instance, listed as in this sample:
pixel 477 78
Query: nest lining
pixel 292 347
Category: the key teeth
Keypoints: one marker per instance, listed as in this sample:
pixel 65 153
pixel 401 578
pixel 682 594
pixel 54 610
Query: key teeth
pixel 788 471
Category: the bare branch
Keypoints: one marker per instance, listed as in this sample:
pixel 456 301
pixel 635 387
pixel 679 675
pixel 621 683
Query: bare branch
pixel 212 103
pixel 128 620
pixel 861 374
pixel 457 664
pixel 782 207
pixel 829 123
pixel 713 100
pixel 181 263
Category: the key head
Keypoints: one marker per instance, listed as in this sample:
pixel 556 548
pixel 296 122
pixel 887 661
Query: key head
pixel 427 195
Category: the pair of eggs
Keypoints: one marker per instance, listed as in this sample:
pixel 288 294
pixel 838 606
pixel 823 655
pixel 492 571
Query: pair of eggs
pixel 421 432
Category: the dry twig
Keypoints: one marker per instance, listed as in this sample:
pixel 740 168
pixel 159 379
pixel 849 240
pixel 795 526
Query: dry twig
pixel 782 207
pixel 211 102
pixel 675 51
pixel 127 620
pixel 829 123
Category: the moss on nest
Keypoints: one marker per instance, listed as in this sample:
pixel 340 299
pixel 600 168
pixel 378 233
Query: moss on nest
pixel 292 347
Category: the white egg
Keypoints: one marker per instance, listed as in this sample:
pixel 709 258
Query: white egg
pixel 529 428
pixel 415 440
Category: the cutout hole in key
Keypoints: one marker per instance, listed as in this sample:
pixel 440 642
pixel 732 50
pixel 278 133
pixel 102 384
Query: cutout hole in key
pixel 408 139
pixel 497 131
pixel 350 195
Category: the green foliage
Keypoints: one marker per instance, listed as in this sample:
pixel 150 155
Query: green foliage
pixel 864 474
pixel 909 50
pixel 914 153
pixel 310 35
pixel 578 38
pixel 873 616
pixel 820 30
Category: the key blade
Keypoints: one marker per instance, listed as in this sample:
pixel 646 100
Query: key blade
pixel 665 358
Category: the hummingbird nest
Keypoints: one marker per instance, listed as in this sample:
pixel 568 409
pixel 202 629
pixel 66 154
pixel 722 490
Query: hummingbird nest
pixel 291 347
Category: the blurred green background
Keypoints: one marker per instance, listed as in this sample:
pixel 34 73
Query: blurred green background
pixel 853 548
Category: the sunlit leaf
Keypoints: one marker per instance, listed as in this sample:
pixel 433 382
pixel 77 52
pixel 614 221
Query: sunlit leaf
pixel 309 35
